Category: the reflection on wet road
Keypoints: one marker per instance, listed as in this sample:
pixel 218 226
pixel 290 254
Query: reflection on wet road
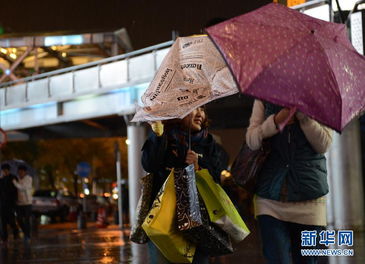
pixel 64 243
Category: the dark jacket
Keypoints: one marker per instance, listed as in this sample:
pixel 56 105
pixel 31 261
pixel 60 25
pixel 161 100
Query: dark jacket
pixel 294 171
pixel 160 154
pixel 8 192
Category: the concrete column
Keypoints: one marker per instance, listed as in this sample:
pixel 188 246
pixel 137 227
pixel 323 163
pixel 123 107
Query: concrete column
pixel 136 136
pixel 346 198
pixel 119 183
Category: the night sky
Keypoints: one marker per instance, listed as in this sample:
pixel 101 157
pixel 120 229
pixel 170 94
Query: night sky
pixel 147 22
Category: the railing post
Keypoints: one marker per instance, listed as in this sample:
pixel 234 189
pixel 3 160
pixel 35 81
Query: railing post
pixel 128 75
pixel 26 92
pixel 73 82
pixel 49 87
pixel 98 76
pixel 6 96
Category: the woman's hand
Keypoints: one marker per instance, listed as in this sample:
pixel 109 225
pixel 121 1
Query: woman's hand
pixel 282 115
pixel 157 127
pixel 301 117
pixel 192 158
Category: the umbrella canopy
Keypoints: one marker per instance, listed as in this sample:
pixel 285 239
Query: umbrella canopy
pixel 14 166
pixel 192 74
pixel 287 58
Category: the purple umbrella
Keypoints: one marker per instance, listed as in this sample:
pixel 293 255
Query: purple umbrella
pixel 287 58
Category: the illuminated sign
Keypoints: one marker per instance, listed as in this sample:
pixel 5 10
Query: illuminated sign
pixel 290 3
pixel 63 40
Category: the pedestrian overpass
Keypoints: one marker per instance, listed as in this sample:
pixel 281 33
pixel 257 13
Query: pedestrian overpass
pixel 92 100
pixel 111 86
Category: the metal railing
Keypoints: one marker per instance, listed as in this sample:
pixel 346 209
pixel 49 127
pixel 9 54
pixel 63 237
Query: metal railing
pixel 88 65
pixel 311 4
pixel 91 78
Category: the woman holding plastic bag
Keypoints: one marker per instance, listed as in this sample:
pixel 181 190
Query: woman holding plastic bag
pixel 168 147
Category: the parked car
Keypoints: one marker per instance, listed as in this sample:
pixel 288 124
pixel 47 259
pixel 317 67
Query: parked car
pixel 91 203
pixel 53 203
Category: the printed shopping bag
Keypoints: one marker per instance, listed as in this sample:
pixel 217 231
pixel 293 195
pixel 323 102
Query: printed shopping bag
pixel 138 235
pixel 220 207
pixel 193 218
pixel 161 227
pixel 187 200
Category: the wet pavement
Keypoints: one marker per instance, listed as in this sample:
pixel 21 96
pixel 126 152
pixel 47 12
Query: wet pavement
pixel 64 243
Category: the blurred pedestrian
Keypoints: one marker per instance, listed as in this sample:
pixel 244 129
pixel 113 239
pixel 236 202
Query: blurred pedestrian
pixel 24 202
pixel 8 198
pixel 168 147
pixel 291 187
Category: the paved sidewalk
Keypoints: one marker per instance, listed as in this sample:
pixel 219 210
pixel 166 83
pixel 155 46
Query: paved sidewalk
pixel 64 243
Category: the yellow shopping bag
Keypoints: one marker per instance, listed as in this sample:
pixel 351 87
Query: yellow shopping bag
pixel 220 207
pixel 161 227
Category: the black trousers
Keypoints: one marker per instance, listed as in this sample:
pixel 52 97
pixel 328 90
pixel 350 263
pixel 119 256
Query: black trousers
pixel 8 218
pixel 24 213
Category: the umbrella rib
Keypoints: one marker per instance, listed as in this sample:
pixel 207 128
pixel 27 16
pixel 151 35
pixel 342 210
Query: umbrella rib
pixel 332 74
pixel 295 15
pixel 284 26
pixel 168 85
pixel 288 51
pixel 218 70
pixel 264 66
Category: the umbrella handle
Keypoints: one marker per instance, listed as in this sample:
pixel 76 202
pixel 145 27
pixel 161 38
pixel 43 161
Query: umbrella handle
pixel 283 124
pixel 189 135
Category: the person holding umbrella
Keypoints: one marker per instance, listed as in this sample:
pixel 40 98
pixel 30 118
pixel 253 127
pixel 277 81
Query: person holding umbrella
pixel 309 65
pixel 168 147
pixel 8 198
pixel 191 74
pixel 291 187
